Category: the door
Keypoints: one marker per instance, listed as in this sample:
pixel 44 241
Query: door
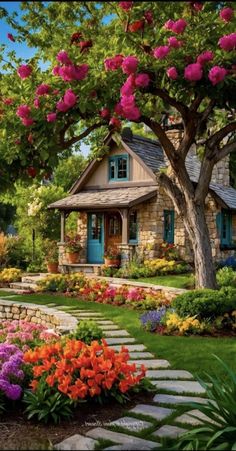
pixel 169 216
pixel 95 238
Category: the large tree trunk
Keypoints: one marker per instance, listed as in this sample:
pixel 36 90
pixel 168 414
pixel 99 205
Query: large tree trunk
pixel 195 223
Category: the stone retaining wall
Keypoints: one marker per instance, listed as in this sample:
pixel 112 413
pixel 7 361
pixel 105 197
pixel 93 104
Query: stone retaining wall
pixel 60 321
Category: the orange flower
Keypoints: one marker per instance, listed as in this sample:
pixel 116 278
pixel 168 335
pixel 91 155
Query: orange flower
pixel 33 385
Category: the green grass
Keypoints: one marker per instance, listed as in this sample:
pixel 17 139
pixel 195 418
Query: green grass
pixel 194 354
pixel 176 281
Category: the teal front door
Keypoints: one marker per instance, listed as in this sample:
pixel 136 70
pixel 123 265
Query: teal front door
pixel 95 249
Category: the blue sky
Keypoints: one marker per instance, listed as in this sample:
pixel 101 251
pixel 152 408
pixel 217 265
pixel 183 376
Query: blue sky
pixel 22 50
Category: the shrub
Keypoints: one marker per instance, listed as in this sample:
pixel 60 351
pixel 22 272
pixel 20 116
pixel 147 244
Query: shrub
pixel 3 249
pixel 184 326
pixel 226 277
pixel 87 331
pixel 221 408
pixel 9 275
pixel 205 303
pixel 228 262
pixel 150 320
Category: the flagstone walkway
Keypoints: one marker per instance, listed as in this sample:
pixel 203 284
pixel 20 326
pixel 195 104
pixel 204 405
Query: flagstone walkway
pixel 144 426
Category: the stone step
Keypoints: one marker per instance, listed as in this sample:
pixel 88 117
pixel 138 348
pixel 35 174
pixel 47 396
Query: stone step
pixel 178 399
pixel 157 413
pixel 123 439
pixel 89 315
pixel 131 424
pixel 116 333
pixel 168 431
pixel 180 386
pixel 76 442
pixel 121 340
pixel 105 322
pixel 140 355
pixel 130 348
pixel 169 374
pixel 194 417
pixel 108 327
pixel 23 286
pixel 152 363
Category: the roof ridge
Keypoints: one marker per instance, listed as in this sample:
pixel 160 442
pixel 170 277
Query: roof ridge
pixel 143 138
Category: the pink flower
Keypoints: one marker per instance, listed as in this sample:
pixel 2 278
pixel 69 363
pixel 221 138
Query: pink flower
pixel 130 110
pixel 126 5
pixel 61 106
pixel 63 57
pixel 27 121
pixel 36 103
pixel 130 64
pixel 161 52
pixel 70 98
pixel 133 114
pixel 11 37
pixel 118 109
pixel 24 71
pixel 179 26
pixel 128 87
pixel 205 57
pixel 174 42
pixel 55 70
pixel 23 111
pixel 148 17
pixel 217 74
pixel 226 14
pixel 8 101
pixel 17 142
pixel 228 42
pixel 193 72
pixel 172 73
pixel 169 24
pixel 55 92
pixel 42 89
pixel 142 80
pixel 72 72
pixel 197 6
pixel 127 102
pixel 81 71
pixel 105 113
pixel 51 117
pixel 115 122
pixel 113 63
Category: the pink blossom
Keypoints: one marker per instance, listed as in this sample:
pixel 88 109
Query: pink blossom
pixel 55 92
pixel 115 122
pixel 127 101
pixel 174 42
pixel 179 26
pixel 142 80
pixel 172 73
pixel 42 89
pixel 130 64
pixel 128 87
pixel 118 109
pixel 36 103
pixel 193 72
pixel 161 52
pixel 126 5
pixel 55 70
pixel 70 98
pixel 133 114
pixel 63 57
pixel 228 42
pixel 51 117
pixel 72 72
pixel 24 71
pixel 169 24
pixel 17 142
pixel 61 106
pixel 11 37
pixel 23 111
pixel 217 74
pixel 130 110
pixel 27 121
pixel 148 17
pixel 8 101
pixel 197 6
pixel 81 71
pixel 113 63
pixel 105 113
pixel 226 14
pixel 205 57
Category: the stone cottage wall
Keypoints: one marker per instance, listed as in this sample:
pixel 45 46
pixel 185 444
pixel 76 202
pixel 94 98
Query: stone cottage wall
pixel 82 231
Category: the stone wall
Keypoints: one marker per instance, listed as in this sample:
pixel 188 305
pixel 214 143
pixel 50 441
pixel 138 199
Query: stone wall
pixel 49 317
pixel 82 231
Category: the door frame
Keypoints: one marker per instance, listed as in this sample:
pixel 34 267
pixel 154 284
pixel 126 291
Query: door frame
pixel 102 235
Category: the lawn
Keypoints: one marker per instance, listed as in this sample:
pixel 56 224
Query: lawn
pixel 194 354
pixel 177 281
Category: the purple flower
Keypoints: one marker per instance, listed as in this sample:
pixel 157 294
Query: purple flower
pixel 151 319
pixel 11 360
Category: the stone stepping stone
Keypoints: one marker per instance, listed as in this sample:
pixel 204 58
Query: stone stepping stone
pixel 121 340
pixel 129 347
pixel 152 363
pixel 89 315
pixel 178 399
pixel 140 355
pixel 122 439
pixel 109 327
pixel 169 374
pixel 180 386
pixel 187 418
pixel 157 413
pixel 132 424
pixel 127 447
pixel 104 322
pixel 116 333
pixel 52 305
pixel 169 431
pixel 76 442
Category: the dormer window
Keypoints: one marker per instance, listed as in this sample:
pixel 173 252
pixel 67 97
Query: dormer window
pixel 118 168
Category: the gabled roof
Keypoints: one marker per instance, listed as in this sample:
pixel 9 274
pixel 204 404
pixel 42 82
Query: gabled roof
pixel 148 150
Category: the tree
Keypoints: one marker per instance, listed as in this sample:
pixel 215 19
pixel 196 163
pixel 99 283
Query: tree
pixel 161 56
pixel 68 171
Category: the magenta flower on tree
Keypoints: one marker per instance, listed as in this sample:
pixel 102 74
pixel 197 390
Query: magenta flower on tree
pixel 69 100
pixel 42 89
pixel 179 26
pixel 24 71
pixel 72 72
pixel 51 117
pixel 23 111
pixel 161 52
pixel 169 24
pixel 113 63
pixel 174 42
pixel 27 121
pixel 63 57
pixel 128 87
pixel 37 103
pixel 228 42
pixel 227 14
pixel 205 57
pixel 126 6
pixel 193 72
pixel 11 37
pixel 172 73
pixel 115 122
pixel 142 80
pixel 8 101
pixel 105 113
pixel 217 74
pixel 129 64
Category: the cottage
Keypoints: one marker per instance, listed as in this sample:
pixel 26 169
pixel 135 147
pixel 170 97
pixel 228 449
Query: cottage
pixel 121 204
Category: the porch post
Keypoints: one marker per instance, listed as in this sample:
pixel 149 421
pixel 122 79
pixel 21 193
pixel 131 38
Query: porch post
pixel 124 215
pixel 63 223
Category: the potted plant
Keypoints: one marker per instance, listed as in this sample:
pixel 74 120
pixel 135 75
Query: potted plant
pixel 51 255
pixel 73 248
pixel 112 257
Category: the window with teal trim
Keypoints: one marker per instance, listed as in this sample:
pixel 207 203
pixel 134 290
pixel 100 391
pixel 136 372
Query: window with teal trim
pixel 169 219
pixel 118 168
pixel 224 226
pixel 133 227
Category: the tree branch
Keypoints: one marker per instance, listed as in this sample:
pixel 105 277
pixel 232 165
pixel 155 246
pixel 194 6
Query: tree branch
pixel 215 139
pixel 173 192
pixel 179 106
pixel 204 180
pixel 69 142
pixel 196 103
pixel 226 150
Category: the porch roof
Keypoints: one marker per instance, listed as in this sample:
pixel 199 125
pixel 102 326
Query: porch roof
pixel 106 198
